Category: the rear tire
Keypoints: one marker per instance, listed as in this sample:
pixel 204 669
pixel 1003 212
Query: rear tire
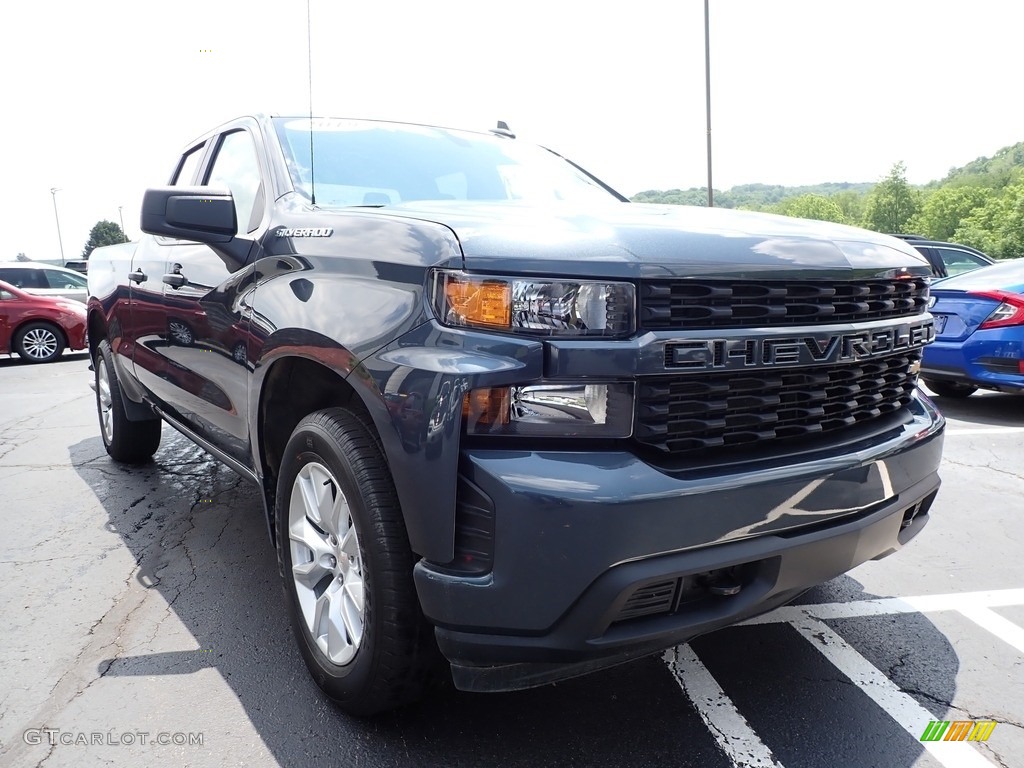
pixel 347 567
pixel 131 442
pixel 950 388
pixel 39 342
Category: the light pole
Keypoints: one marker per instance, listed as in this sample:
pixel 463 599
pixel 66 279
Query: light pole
pixel 53 193
pixel 121 216
pixel 707 88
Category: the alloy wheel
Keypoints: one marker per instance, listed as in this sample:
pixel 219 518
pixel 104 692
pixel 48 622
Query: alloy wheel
pixel 40 343
pixel 327 565
pixel 106 401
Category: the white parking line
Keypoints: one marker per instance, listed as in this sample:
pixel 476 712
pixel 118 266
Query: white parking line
pixel 998 625
pixel 730 729
pixel 742 745
pixel 995 598
pixel 901 707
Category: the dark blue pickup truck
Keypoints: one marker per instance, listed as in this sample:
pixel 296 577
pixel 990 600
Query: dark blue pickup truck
pixel 502 417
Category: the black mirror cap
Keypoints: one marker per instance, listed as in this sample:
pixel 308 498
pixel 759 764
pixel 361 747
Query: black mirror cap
pixel 201 214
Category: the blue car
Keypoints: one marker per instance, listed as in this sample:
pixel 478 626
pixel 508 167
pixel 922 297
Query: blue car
pixel 979 325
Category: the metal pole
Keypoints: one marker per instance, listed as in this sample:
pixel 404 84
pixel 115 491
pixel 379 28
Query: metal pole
pixel 707 88
pixel 121 216
pixel 60 240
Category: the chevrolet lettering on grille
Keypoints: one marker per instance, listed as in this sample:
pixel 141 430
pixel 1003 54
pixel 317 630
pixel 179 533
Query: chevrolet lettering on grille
pixel 796 349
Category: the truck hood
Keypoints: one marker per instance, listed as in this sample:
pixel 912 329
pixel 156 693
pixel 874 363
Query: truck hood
pixel 647 241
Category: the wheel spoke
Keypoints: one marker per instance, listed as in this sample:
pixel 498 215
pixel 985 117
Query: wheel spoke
pixel 331 627
pixel 310 498
pixel 304 533
pixel 356 594
pixel 310 573
pixel 352 616
pixel 349 543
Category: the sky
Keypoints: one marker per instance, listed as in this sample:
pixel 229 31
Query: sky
pixel 100 97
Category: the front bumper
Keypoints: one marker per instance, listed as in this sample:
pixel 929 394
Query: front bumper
pixel 600 557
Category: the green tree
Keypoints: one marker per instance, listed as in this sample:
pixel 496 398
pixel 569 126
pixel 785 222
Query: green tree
pixel 944 209
pixel 103 233
pixel 997 227
pixel 811 207
pixel 891 203
pixel 851 203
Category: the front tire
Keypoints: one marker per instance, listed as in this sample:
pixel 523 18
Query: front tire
pixel 131 442
pixel 950 388
pixel 347 567
pixel 39 342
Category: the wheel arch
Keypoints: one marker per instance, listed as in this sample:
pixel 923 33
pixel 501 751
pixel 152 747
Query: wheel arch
pixel 96 325
pixel 292 387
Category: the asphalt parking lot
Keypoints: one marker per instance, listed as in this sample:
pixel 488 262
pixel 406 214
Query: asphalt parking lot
pixel 142 614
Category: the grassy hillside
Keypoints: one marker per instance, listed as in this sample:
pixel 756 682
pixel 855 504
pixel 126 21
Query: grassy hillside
pixel 1005 167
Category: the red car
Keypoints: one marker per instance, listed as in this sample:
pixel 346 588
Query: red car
pixel 39 328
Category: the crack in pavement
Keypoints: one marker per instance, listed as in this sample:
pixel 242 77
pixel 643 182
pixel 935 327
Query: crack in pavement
pixel 104 641
pixel 950 705
pixel 1015 475
pixel 62 558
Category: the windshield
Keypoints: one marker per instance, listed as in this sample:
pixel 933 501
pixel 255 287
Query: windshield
pixel 368 163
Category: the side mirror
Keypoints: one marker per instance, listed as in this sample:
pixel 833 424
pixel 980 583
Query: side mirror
pixel 201 214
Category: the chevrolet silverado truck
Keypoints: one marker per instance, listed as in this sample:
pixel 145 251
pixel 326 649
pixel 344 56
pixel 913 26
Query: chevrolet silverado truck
pixel 503 419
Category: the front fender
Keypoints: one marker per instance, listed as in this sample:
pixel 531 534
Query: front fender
pixel 414 390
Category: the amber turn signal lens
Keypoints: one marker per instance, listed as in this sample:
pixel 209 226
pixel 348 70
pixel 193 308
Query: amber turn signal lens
pixel 484 408
pixel 480 302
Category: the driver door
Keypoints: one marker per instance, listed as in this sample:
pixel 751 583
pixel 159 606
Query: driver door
pixel 207 317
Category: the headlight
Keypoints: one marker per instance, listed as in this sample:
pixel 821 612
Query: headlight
pixel 541 307
pixel 551 410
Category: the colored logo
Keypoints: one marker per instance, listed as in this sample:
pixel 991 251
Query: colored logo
pixel 958 730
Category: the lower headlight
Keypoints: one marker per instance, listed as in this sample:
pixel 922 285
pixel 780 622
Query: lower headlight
pixel 551 410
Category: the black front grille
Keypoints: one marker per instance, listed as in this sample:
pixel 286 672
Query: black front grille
pixel 696 304
pixel 687 413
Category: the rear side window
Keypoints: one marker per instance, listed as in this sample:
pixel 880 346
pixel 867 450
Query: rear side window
pixel 21 277
pixel 57 279
pixel 957 262
pixel 185 174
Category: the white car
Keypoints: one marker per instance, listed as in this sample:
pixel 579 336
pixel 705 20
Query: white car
pixel 45 279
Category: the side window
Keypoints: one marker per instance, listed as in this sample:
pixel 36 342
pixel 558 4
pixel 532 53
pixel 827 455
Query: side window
pixel 6 295
pixel 185 174
pixel 957 262
pixel 58 279
pixel 20 277
pixel 237 168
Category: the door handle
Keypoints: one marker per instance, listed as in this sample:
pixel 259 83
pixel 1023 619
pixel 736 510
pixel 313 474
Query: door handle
pixel 174 279
pixel 138 276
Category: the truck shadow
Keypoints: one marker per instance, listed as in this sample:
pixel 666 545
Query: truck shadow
pixel 197 532
pixel 984 408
